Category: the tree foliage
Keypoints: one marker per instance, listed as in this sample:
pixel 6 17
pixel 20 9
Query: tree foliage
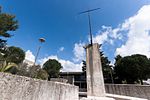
pixel 14 54
pixel 84 66
pixel 10 58
pixel 52 67
pixel 7 24
pixel 132 68
pixel 5 67
pixel 31 71
pixel 107 70
pixel 42 74
pixel 106 67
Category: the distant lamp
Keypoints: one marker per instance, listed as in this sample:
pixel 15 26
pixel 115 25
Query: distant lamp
pixel 42 40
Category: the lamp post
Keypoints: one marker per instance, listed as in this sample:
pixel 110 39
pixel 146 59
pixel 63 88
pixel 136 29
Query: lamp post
pixel 112 80
pixel 42 40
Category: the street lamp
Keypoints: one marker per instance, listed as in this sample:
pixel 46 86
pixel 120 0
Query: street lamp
pixel 111 74
pixel 42 40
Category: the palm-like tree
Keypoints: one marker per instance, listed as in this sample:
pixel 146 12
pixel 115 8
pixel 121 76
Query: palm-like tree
pixel 4 67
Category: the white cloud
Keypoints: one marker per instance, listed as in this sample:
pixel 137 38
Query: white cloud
pixel 68 66
pixel 107 34
pixel 61 49
pixel 43 60
pixel 29 56
pixel 137 28
pixel 101 38
pixel 79 52
pixel 137 31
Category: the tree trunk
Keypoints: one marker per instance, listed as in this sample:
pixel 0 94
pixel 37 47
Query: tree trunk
pixel 141 81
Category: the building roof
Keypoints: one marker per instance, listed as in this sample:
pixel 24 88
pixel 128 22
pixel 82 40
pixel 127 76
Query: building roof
pixel 70 73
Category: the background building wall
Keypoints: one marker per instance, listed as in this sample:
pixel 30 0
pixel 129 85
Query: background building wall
pixel 141 91
pixel 14 87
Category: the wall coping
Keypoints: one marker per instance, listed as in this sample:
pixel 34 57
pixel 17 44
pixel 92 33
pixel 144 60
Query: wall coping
pixel 34 79
pixel 129 85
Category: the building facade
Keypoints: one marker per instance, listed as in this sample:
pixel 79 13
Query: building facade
pixel 75 78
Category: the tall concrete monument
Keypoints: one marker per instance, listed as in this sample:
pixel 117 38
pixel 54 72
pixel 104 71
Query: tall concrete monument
pixel 95 81
pixel 94 75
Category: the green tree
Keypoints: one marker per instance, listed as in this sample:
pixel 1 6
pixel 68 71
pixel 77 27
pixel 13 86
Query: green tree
pixel 42 74
pixel 117 79
pixel 5 67
pixel 10 58
pixel 23 69
pixel 132 68
pixel 14 54
pixel 52 67
pixel 84 66
pixel 107 70
pixel 27 70
pixel 35 71
pixel 8 23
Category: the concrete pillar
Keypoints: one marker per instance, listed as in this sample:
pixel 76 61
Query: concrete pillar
pixel 95 81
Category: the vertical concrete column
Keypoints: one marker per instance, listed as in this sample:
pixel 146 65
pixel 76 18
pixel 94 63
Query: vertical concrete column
pixel 95 81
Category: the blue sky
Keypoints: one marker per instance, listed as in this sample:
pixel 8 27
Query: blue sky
pixel 66 32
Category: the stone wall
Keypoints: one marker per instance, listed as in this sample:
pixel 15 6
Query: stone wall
pixel 129 90
pixel 59 80
pixel 14 87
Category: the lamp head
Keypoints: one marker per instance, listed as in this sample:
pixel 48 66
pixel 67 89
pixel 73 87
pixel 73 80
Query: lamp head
pixel 41 40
